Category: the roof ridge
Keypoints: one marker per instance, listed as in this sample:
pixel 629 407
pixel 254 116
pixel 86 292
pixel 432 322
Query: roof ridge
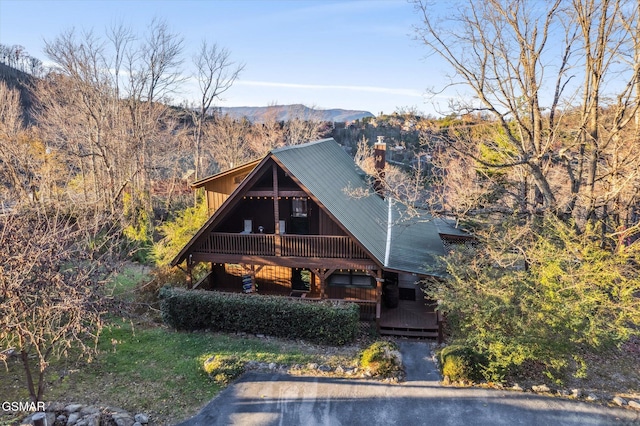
pixel 302 145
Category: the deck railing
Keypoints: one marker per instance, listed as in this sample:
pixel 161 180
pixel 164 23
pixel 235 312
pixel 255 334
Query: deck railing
pixel 315 246
pixel 320 246
pixel 229 243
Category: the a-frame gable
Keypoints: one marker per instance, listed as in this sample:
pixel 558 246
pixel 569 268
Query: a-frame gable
pixel 227 205
pixel 247 189
pixel 377 229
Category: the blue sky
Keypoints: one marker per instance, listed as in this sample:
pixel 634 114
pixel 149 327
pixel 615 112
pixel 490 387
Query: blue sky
pixel 327 54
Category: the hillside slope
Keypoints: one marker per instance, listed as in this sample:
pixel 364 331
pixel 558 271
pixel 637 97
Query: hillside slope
pixel 290 112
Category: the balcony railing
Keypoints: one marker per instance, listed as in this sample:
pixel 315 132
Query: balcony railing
pixel 315 246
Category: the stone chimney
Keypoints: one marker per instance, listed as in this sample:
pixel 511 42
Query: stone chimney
pixel 380 161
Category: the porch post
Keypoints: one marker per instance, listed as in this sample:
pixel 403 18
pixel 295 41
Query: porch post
pixel 212 276
pixel 189 273
pixel 322 283
pixel 379 281
pixel 276 211
pixel 254 287
pixel 322 274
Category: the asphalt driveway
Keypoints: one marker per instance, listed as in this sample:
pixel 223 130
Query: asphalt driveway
pixel 282 399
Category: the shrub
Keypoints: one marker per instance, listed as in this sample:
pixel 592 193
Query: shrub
pixel 382 359
pixel 223 369
pixel 540 294
pixel 178 232
pixel 334 323
pixel 147 291
pixel 458 363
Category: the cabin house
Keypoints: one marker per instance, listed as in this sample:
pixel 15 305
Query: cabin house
pixel 306 222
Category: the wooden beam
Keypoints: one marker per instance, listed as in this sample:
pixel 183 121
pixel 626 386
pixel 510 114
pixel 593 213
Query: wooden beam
pixel 276 210
pixel 379 281
pixel 190 263
pixel 291 262
pixel 323 274
pixel 256 193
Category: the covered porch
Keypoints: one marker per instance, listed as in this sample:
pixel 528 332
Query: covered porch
pixel 309 284
pixel 413 318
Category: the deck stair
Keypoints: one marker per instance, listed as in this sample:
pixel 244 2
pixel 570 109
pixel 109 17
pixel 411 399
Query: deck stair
pixel 412 318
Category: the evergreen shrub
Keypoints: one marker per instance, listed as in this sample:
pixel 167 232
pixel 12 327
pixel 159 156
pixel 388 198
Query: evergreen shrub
pixel 319 322
pixel 382 359
pixel 460 364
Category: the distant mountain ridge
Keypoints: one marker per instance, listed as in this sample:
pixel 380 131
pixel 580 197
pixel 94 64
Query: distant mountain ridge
pixel 290 112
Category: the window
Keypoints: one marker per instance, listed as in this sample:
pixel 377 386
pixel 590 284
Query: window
pixel 299 207
pixel 351 279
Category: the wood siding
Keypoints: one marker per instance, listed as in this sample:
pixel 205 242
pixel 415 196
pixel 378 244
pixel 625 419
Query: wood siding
pixel 218 190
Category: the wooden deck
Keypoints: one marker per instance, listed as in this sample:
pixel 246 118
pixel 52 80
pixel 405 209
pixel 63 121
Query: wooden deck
pixel 410 319
pixel 273 245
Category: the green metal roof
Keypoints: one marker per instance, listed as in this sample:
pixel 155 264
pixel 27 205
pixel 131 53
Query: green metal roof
pixel 397 240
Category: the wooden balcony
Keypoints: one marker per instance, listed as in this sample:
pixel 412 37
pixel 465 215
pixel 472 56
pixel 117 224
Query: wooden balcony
pixel 306 246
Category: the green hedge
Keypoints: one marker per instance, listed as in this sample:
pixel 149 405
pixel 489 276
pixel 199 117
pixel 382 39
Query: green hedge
pixel 318 322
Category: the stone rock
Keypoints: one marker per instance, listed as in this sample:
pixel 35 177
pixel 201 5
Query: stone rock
pixel 540 388
pixel 94 420
pixel 48 417
pixel 61 419
pixel 137 424
pixel 324 368
pixel 122 419
pixel 141 418
pixel 312 366
pixel 252 365
pixel 576 393
pixel 55 406
pixel 517 387
pixel 592 397
pixel 619 401
pixel 260 336
pixel 51 418
pixel 72 408
pixel 339 370
pixel 73 418
pixel 272 366
pixel 634 404
pixel 89 410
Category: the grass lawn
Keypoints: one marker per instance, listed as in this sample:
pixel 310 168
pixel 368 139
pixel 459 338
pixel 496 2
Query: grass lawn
pixel 151 369
pixel 145 367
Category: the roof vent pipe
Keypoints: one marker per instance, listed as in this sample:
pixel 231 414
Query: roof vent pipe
pixel 380 161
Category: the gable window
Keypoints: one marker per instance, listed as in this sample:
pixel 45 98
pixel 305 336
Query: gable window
pixel 351 279
pixel 299 207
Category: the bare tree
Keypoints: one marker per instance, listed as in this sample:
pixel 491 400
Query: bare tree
pixel 229 139
pixel 215 74
pixel 304 125
pixel 550 151
pixel 105 105
pixel 154 74
pixel 22 153
pixel 48 303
